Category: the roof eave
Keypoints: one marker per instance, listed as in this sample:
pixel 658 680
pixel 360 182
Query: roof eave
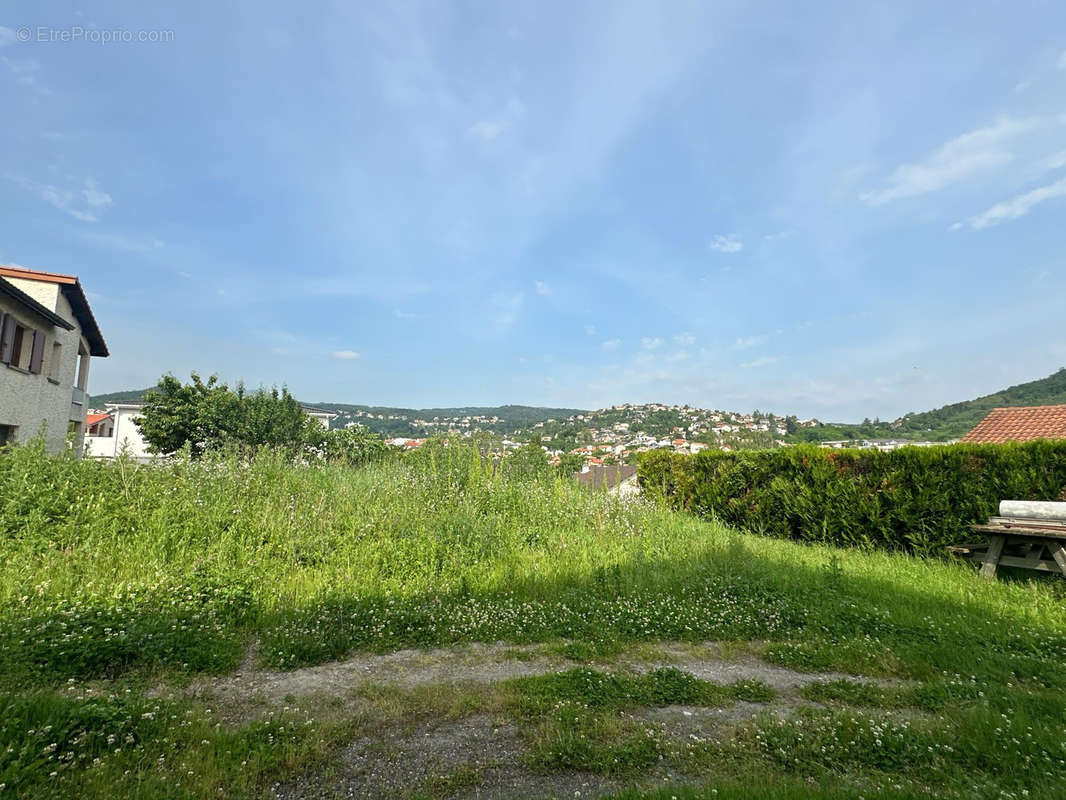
pixel 11 290
pixel 79 304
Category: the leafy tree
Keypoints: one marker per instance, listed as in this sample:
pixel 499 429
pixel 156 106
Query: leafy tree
pixel 200 413
pixel 569 463
pixel 528 462
pixel 272 419
pixel 209 415
pixel 353 446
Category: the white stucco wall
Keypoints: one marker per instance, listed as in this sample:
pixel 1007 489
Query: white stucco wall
pixel 26 400
pixel 127 435
pixel 323 419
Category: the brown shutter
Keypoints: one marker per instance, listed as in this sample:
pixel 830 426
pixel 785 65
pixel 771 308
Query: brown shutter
pixel 7 338
pixel 37 352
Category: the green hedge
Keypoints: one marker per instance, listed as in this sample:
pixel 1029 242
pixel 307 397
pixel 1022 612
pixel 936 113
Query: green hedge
pixel 915 498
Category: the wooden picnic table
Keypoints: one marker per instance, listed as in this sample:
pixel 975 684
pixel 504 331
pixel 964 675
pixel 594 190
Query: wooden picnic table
pixel 1035 542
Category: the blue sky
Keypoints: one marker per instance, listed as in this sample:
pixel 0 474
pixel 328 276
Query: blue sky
pixel 847 210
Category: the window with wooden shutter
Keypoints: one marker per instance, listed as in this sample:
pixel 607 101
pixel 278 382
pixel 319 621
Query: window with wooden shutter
pixel 7 338
pixel 37 352
pixel 17 340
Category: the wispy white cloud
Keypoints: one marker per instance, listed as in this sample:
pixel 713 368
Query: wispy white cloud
pixel 123 242
pixel 86 204
pixel 490 129
pixel 727 243
pixel 1015 207
pixel 745 342
pixel 487 130
pixel 463 237
pixel 685 339
pixel 651 342
pixel 590 330
pixel 979 150
pixel 1054 161
pixel 543 289
pixel 774 237
pixel 765 361
pixel 377 286
pixel 405 315
pixel 345 355
pixel 611 344
pixel 25 73
pixel 504 309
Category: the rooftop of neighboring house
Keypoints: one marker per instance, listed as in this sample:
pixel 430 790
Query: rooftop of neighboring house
pixel 606 477
pixel 1020 424
pixel 314 410
pixel 79 304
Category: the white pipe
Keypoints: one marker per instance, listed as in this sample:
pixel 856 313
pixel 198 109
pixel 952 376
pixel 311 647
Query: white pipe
pixel 1033 509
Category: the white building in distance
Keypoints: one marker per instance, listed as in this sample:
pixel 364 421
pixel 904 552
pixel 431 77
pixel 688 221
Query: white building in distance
pixel 123 435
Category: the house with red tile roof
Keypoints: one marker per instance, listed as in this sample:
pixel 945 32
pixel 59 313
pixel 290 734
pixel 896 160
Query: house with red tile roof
pixel 1020 424
pixel 99 424
pixel 47 336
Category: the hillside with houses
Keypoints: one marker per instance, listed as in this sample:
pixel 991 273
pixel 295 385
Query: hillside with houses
pixel 617 433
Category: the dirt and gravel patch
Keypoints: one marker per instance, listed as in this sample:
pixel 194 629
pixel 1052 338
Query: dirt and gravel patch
pixel 479 756
pixel 480 664
pixel 471 664
pixel 410 748
pixel 710 663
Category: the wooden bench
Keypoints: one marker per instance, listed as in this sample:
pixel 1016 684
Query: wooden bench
pixel 1016 539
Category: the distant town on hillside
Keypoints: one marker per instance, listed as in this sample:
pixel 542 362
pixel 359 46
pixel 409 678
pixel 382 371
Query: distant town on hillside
pixel 616 432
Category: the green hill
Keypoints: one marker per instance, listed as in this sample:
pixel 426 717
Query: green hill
pixel 941 424
pixel 511 417
pixel 956 419
pixel 128 396
pixel 401 421
pixel 947 422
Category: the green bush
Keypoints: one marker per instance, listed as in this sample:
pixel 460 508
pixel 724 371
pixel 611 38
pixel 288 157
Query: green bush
pixel 918 499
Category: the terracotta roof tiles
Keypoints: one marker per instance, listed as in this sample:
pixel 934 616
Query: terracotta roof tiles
pixel 1020 424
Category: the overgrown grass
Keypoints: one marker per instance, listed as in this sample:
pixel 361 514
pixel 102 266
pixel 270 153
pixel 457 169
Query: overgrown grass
pixel 152 573
pixel 85 744
pixel 614 691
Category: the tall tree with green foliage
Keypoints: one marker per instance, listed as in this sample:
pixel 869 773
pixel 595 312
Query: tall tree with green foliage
pixel 208 415
pixel 569 463
pixel 528 461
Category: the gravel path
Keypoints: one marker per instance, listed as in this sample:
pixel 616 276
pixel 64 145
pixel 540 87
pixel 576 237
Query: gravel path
pixel 479 755
pixel 478 664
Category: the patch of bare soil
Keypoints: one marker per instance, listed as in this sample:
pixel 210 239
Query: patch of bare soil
pixel 478 755
pixel 475 757
pixel 707 662
pixel 703 723
pixel 468 664
pixel 476 664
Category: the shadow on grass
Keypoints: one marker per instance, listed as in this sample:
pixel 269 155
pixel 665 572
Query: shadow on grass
pixel 815 618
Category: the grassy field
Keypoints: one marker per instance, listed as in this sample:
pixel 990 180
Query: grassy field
pixel 117 580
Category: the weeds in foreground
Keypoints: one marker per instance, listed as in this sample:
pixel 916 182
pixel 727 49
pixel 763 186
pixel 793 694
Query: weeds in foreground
pixel 664 686
pixel 154 573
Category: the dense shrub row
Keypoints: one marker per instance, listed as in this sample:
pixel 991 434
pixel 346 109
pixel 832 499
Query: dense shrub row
pixel 915 498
